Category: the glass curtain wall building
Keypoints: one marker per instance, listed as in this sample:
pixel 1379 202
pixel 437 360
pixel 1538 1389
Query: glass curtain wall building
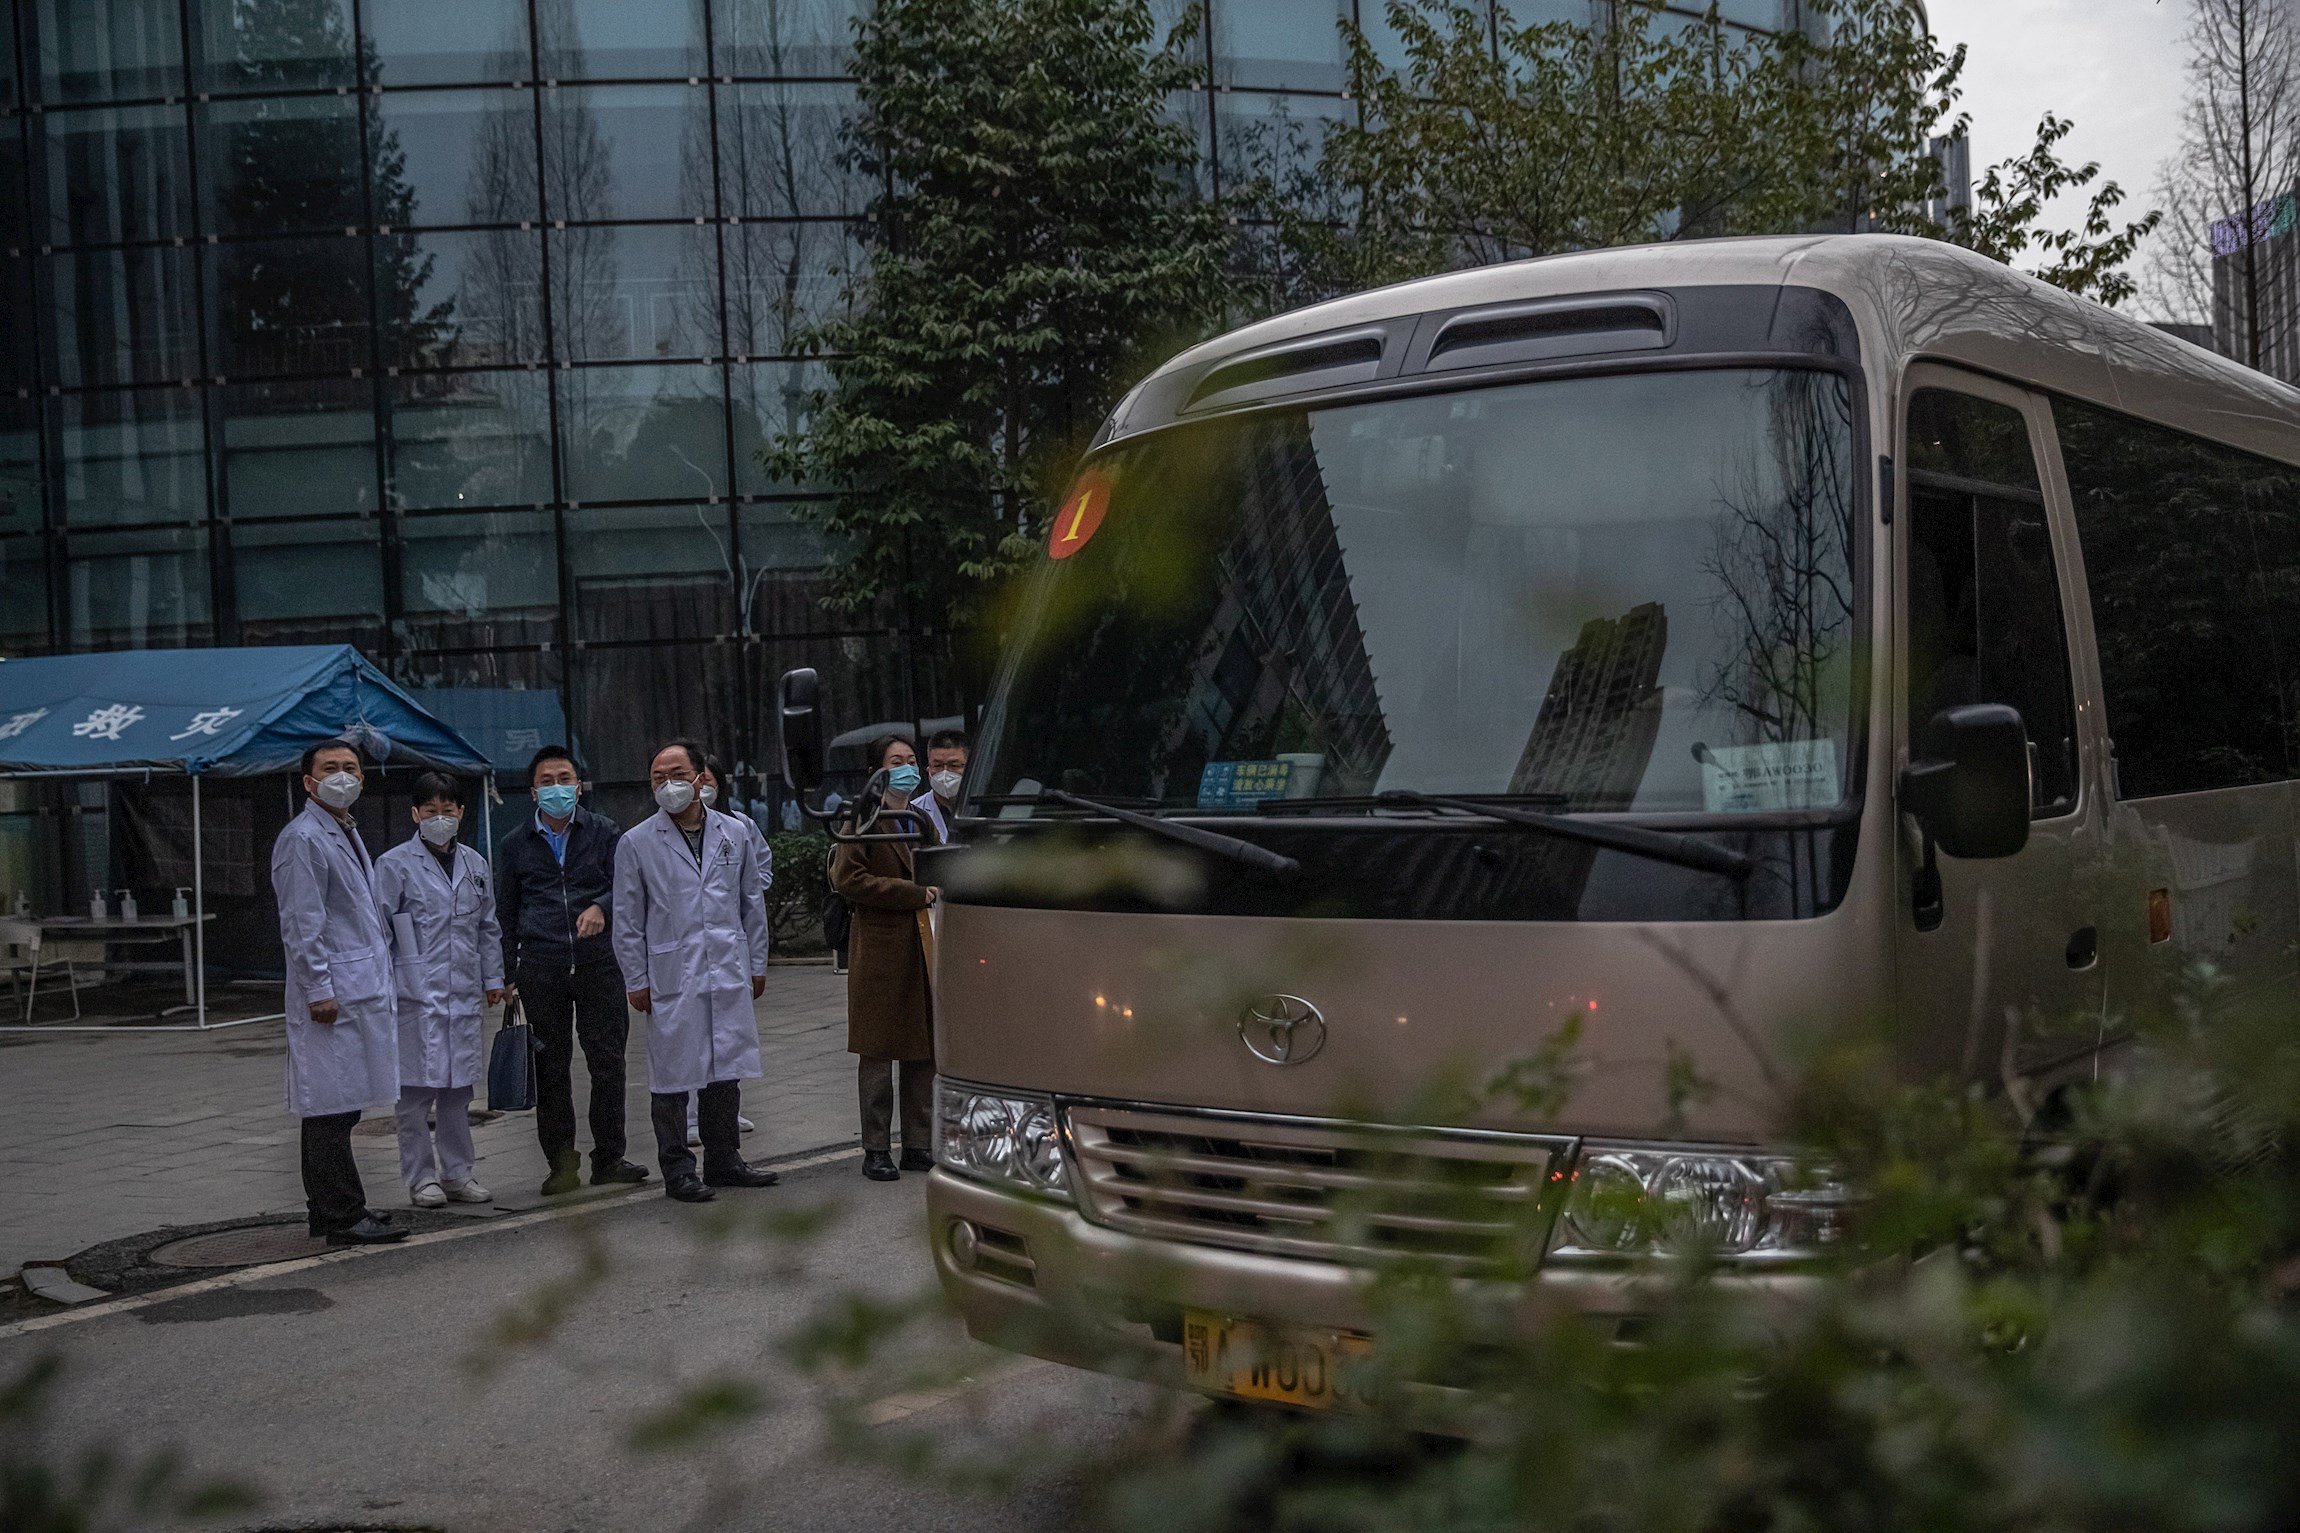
pixel 453 329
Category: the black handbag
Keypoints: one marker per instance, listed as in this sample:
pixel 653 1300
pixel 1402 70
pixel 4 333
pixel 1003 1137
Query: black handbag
pixel 837 922
pixel 511 1064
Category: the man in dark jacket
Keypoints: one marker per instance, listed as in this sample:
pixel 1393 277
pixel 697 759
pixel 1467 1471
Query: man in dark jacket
pixel 554 894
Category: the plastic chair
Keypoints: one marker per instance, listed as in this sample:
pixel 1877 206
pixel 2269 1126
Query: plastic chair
pixel 20 956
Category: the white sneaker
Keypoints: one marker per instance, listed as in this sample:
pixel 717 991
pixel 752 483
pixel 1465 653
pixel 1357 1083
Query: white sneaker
pixel 429 1195
pixel 467 1192
pixel 747 1125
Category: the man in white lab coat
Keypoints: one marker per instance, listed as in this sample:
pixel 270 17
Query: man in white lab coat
pixel 342 1029
pixel 447 967
pixel 691 939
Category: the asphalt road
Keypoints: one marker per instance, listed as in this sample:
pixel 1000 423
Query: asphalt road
pixel 379 1392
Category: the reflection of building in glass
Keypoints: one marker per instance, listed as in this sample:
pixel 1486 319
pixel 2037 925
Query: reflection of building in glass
pixel 1284 666
pixel 1594 735
pixel 454 330
pixel 2268 243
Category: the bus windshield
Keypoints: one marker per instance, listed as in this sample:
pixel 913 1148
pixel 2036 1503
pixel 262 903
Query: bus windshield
pixel 1627 593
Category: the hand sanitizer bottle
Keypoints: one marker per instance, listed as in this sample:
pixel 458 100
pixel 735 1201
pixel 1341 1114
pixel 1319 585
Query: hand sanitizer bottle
pixel 127 904
pixel 96 910
pixel 182 908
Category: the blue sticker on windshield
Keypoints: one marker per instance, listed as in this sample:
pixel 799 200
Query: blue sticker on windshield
pixel 1241 784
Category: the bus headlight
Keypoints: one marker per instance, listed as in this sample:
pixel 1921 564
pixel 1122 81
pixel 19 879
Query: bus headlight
pixel 1007 1137
pixel 1632 1201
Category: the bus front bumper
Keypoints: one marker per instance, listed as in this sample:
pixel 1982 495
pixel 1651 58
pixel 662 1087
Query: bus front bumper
pixel 1035 1276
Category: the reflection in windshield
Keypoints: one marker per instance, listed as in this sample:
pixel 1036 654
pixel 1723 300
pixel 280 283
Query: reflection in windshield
pixel 1625 593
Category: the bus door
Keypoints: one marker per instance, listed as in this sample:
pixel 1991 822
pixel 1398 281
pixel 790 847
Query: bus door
pixel 2004 975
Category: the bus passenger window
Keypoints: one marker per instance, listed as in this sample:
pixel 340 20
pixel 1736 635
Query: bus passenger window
pixel 1984 602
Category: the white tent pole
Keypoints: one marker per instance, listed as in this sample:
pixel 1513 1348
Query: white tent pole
pixel 199 912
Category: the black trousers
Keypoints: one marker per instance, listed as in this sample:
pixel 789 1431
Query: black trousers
pixel 874 1085
pixel 717 1106
pixel 563 1008
pixel 331 1187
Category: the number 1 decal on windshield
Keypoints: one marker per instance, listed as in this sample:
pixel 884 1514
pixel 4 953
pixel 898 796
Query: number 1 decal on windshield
pixel 1081 514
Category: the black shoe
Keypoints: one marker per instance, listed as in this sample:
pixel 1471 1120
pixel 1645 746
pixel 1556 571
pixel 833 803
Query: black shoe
pixel 564 1177
pixel 687 1187
pixel 370 1231
pixel 619 1173
pixel 878 1165
pixel 740 1175
pixel 917 1160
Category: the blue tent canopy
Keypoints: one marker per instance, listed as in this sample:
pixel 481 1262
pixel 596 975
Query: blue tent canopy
pixel 228 712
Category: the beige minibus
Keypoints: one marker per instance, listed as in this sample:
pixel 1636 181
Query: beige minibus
pixel 1689 646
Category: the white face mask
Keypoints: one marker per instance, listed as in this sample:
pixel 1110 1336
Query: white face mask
pixel 338 790
pixel 710 795
pixel 946 783
pixel 439 830
pixel 674 796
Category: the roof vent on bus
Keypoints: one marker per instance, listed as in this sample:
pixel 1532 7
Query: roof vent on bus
pixel 1326 361
pixel 1560 327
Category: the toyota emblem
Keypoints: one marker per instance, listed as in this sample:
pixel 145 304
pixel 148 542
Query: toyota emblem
pixel 1282 1029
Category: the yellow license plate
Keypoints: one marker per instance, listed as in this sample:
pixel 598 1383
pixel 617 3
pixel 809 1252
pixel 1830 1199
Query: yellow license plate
pixel 1254 1361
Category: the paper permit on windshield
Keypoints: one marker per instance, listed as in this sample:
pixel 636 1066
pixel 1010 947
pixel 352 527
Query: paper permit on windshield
pixel 1751 779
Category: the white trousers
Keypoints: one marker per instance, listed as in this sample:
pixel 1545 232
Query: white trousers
pixel 450 1106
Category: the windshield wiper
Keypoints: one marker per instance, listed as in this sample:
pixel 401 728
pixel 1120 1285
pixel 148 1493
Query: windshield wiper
pixel 1259 858
pixel 1374 801
pixel 1662 845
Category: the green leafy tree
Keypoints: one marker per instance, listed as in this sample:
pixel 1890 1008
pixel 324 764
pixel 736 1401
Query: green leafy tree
pixel 1572 138
pixel 1036 248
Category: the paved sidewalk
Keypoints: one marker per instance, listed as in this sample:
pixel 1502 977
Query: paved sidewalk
pixel 103 1136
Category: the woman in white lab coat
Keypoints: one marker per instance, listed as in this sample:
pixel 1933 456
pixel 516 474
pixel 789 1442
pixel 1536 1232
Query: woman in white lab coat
pixel 447 968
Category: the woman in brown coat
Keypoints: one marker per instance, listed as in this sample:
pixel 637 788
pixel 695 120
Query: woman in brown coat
pixel 890 1014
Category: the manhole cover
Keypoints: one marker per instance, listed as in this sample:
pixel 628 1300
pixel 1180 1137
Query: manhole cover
pixel 249 1246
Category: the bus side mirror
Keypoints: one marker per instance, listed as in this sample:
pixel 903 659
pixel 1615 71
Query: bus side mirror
pixel 1969 789
pixel 800 695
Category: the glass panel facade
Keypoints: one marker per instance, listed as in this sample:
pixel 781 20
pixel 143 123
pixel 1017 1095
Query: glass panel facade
pixel 131 456
pixel 19 466
pixel 630 293
pixel 780 154
pixel 446 42
pixel 626 152
pixel 460 298
pixel 771 401
pixel 288 45
pixel 146 589
pixel 294 306
pixel 1291 44
pixel 23 595
pixel 623 40
pixel 114 175
pixel 479 581
pixel 448 157
pixel 427 425
pixel 105 50
pixel 784 278
pixel 785 37
pixel 470 439
pixel 281 165
pixel 118 316
pixel 308 582
pixel 299 449
pixel 642 433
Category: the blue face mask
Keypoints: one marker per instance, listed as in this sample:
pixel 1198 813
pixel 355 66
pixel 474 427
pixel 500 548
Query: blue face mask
pixel 903 779
pixel 558 800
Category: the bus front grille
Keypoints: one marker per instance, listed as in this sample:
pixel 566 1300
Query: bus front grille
pixel 1314 1188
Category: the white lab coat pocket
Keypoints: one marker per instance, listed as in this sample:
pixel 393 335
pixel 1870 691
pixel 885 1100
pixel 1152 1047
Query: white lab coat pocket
pixel 666 968
pixel 356 976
